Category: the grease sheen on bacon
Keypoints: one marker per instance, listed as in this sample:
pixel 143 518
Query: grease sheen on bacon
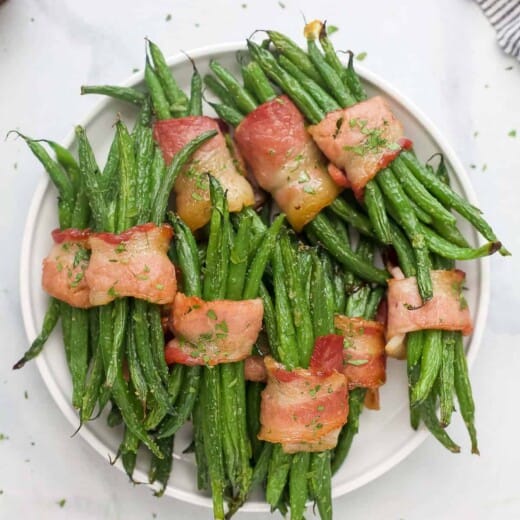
pixel 209 333
pixel 364 361
pixel 132 263
pixel 361 139
pixel 63 273
pixel 285 161
pixel 191 187
pixel 447 310
pixel 302 409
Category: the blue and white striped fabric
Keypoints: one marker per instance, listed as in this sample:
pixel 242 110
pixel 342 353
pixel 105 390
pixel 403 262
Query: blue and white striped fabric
pixel 504 16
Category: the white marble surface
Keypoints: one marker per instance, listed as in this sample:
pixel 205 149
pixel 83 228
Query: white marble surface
pixel 441 54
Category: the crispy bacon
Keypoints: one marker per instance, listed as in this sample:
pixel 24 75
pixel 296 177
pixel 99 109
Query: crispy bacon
pixel 285 161
pixel 63 275
pixel 209 333
pixel 132 263
pixel 302 409
pixel 361 139
pixel 191 187
pixel 364 360
pixel 447 310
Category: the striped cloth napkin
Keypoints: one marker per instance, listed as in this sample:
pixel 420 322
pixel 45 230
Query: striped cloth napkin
pixel 504 16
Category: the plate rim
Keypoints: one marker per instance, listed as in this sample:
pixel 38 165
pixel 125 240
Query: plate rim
pixel 30 322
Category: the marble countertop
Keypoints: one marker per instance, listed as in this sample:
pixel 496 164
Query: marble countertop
pixel 442 55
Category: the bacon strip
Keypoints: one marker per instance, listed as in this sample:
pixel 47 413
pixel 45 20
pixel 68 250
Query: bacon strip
pixel 302 409
pixel 364 361
pixel 285 161
pixel 133 263
pixel 447 310
pixel 361 139
pixel 63 275
pixel 209 333
pixel 192 199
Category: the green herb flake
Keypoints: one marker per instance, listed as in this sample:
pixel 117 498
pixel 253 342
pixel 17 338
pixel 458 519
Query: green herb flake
pixel 395 147
pixel 509 68
pixel 331 29
pixel 196 196
pixel 320 408
pixel 3 437
pixel 357 362
pixel 310 190
pixel 303 178
pixel 484 167
pixel 112 292
pixel 159 286
pixel 244 6
pixel 168 17
pixel 26 394
pixel 472 166
pixel 281 4
pixel 211 314
pixel 512 133
pixel 15 166
pixel 271 151
pixel 121 248
pixel 361 56
pixel 77 279
pixel 61 502
pixel 314 391
pixel 475 134
pixel 222 326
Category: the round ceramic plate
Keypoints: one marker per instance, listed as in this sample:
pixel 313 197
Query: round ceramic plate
pixel 385 437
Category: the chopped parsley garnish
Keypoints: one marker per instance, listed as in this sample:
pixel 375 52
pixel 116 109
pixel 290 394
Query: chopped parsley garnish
pixel 303 177
pixel 309 189
pixel 357 362
pixel 168 17
pixel 121 248
pixel 77 279
pixel 361 56
pixel 196 196
pixel 331 29
pixel 512 133
pixel 61 502
pixel 211 314
pixel 374 141
pixel 159 286
pixel 222 326
pixel 112 292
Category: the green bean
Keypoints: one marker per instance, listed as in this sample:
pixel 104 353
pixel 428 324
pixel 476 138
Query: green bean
pixel 238 257
pixel 114 417
pixel 270 321
pixel 227 113
pixel 326 102
pixel 220 91
pixel 259 262
pixel 253 396
pixel 372 305
pixel 128 94
pixel 449 198
pixel 52 315
pixel 200 455
pixel 172 91
pixel 66 160
pixel 128 452
pixel 322 302
pixel 243 100
pixel 279 467
pixel 325 233
pixel 287 346
pixel 160 469
pixel 349 431
pixel 160 103
pixel 340 298
pixel 351 215
pixel 286 82
pixel 195 104
pixel 330 53
pixel 376 210
pixel 92 385
pixel 450 233
pixel 333 82
pixel 431 359
pixel 400 204
pixel 150 373
pixel 298 483
pixel 78 362
pixel 446 249
pixel 320 482
pixel 134 367
pixel 260 85
pixel 301 313
pixel 420 195
pixel 427 411
pixel 262 464
pixel 353 81
pixel 157 341
pixel 296 55
pixel 58 176
pixel 464 393
pixel 184 404
pixel 446 376
pixel 90 173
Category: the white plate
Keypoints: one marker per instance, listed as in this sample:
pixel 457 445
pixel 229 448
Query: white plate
pixel 385 437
